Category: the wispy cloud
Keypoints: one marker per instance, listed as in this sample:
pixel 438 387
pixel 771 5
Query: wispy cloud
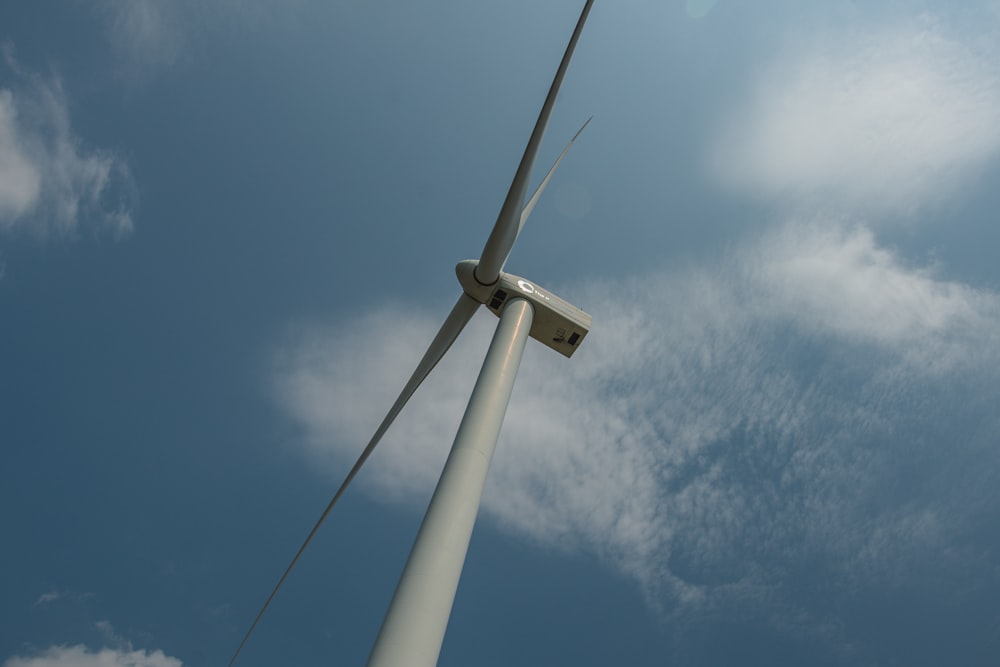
pixel 50 184
pixel 886 120
pixel 723 426
pixel 111 635
pixel 46 598
pixel 147 34
pixel 81 656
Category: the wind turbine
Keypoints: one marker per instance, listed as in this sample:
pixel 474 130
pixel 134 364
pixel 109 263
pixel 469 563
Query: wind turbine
pixel 415 623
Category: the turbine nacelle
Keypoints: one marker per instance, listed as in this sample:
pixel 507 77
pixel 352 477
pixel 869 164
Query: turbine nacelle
pixel 557 323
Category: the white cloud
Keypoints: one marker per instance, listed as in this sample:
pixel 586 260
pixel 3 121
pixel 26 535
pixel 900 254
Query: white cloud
pixel 81 656
pixel 883 121
pixel 719 426
pixel 50 183
pixel 836 280
pixel 124 655
pixel 20 182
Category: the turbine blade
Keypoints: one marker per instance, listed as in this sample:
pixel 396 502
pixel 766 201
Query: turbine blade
pixel 460 315
pixel 530 206
pixel 504 233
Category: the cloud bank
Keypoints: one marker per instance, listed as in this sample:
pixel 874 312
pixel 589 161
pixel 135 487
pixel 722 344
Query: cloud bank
pixel 81 656
pixel 887 120
pixel 50 184
pixel 722 425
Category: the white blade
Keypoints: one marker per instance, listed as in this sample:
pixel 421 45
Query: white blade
pixel 460 315
pixel 504 233
pixel 530 206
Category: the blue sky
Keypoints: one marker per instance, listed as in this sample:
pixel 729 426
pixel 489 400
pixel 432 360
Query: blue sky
pixel 228 231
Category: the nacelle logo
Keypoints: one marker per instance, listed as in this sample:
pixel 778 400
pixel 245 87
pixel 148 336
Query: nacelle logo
pixel 528 288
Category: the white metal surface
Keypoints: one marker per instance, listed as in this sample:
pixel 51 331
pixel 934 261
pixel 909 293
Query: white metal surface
pixel 415 624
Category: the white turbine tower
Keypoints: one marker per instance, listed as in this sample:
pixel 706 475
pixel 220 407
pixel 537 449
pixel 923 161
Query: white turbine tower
pixel 414 626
